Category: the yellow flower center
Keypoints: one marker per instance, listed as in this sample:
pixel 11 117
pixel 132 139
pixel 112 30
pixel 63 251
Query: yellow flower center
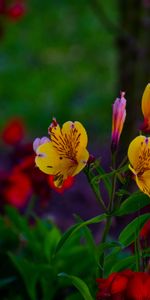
pixel 143 159
pixel 66 144
pixel 139 157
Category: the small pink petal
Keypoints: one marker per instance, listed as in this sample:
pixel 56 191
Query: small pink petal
pixel 40 141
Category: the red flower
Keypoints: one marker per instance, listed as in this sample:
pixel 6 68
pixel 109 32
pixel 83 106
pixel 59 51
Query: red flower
pixel 145 231
pixel 114 286
pixel 26 165
pixel 138 287
pixel 66 185
pixel 14 132
pixel 125 285
pixel 16 10
pixel 17 189
pixel 145 237
pixel 39 181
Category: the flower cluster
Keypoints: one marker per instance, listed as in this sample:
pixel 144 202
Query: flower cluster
pixel 19 178
pixel 64 154
pixel 125 285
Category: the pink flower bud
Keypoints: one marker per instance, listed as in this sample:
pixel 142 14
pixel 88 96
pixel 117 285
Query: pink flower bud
pixel 118 118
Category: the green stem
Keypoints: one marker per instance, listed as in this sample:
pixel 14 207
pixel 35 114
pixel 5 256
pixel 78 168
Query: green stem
pixel 30 207
pixel 125 159
pixel 108 220
pixel 114 178
pixel 103 239
pixel 95 190
pixel 106 229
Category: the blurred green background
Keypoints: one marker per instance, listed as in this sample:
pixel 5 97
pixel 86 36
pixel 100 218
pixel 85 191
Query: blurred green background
pixel 59 60
pixel 70 59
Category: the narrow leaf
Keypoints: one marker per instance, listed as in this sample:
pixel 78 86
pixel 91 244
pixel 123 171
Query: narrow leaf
pixel 133 203
pixel 131 231
pixel 68 234
pixel 108 245
pixel 79 284
pixel 124 263
pixel 104 176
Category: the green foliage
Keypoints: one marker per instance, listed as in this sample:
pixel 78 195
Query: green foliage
pixel 45 65
pixel 37 253
pixel 130 233
pixel 29 263
pixel 101 175
pixel 128 262
pixel 132 204
pixel 80 285
pixel 68 234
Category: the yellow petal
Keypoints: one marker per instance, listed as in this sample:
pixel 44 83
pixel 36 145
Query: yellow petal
pixel 134 150
pixel 82 161
pixel 70 141
pixel 50 162
pixel 77 132
pixel 46 158
pixel 146 102
pixel 132 170
pixel 143 182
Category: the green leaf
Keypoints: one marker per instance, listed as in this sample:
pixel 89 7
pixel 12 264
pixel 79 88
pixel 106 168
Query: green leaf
pixel 74 296
pixel 111 259
pixel 30 272
pixel 91 246
pixel 68 234
pixel 51 240
pixel 125 263
pixel 107 245
pixel 19 223
pixel 131 231
pixel 105 177
pixel 133 203
pixel 15 217
pixel 79 284
pixel 46 236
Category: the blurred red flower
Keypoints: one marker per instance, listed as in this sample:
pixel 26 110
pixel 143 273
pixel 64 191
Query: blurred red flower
pixel 114 286
pixel 39 180
pixel 138 287
pixel 13 132
pixel 145 240
pixel 20 179
pixel 17 189
pixel 145 231
pixel 125 285
pixel 16 10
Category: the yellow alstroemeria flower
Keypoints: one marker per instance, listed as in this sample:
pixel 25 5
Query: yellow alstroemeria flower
pixel 146 108
pixel 139 157
pixel 65 154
